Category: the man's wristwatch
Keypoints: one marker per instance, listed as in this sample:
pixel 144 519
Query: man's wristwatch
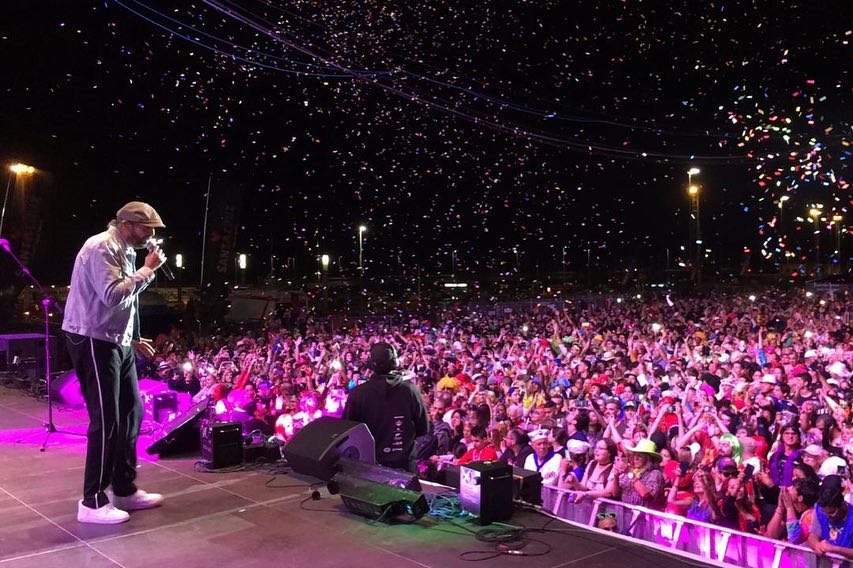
pixel 631 475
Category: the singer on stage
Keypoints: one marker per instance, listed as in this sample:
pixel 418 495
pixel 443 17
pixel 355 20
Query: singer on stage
pixel 102 332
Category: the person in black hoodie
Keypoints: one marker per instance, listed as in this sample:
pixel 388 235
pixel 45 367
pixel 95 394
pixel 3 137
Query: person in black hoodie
pixel 391 407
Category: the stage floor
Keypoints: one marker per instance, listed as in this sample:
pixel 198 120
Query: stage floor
pixel 241 519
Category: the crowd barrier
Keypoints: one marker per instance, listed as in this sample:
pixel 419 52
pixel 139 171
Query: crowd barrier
pixel 679 534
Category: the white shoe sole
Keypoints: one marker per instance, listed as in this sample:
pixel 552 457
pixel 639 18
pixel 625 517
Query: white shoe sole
pixel 118 504
pixel 103 521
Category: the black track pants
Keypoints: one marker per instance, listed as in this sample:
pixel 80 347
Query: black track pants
pixel 110 388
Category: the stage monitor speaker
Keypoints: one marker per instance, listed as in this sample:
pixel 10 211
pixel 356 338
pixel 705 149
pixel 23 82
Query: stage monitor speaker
pixel 527 486
pixel 221 444
pixel 379 474
pixel 316 448
pixel 65 389
pixel 378 501
pixel 485 490
pixel 179 435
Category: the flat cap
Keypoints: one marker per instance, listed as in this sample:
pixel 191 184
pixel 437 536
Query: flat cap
pixel 139 212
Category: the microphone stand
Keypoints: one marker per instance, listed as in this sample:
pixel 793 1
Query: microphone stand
pixel 46 302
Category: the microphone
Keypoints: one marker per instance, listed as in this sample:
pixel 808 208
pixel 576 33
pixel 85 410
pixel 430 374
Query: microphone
pixel 4 244
pixel 151 244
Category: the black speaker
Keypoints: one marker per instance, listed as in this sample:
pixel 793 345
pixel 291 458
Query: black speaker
pixel 378 501
pixel 65 389
pixel 485 490
pixel 379 474
pixel 162 404
pixel 449 476
pixel 181 434
pixel 221 444
pixel 25 352
pixel 527 485
pixel 315 449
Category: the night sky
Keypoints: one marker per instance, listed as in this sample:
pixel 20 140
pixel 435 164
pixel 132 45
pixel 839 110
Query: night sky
pixel 480 127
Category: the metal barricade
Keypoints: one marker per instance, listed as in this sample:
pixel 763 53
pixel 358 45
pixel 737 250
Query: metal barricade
pixel 680 534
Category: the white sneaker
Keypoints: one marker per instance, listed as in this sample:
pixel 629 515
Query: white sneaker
pixel 136 502
pixel 106 515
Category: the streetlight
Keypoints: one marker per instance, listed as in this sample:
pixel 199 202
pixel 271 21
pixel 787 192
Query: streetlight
pixel 21 169
pixel 690 173
pixel 17 169
pixel 361 230
pixel 241 264
pixel 179 264
pixel 321 276
pixel 782 201
pixel 814 213
pixel 836 221
pixel 693 191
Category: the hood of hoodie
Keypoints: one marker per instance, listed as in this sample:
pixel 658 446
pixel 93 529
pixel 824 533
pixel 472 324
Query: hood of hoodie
pixel 386 383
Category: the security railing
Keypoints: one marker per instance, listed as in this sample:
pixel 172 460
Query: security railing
pixel 681 534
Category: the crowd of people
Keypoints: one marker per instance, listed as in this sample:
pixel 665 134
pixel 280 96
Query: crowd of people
pixel 727 409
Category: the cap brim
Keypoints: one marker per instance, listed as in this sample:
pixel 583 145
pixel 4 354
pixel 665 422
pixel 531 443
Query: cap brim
pixel 152 224
pixel 653 455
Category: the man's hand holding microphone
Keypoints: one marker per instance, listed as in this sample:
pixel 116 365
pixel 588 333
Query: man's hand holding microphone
pixel 157 259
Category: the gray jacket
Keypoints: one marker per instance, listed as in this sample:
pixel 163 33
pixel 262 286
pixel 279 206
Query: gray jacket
pixel 104 297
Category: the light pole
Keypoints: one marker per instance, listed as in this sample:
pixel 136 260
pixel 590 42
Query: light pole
pixel 693 191
pixel 241 264
pixel 16 169
pixel 782 201
pixel 690 173
pixel 564 262
pixel 453 264
pixel 361 230
pixel 836 221
pixel 179 264
pixel 814 213
pixel 324 264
